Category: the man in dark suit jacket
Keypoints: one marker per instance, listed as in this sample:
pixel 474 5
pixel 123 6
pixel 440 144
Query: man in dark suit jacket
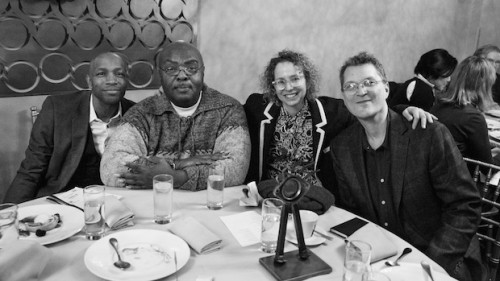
pixel 411 182
pixel 68 136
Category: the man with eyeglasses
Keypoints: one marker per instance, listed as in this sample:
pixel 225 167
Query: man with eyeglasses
pixel 181 131
pixel 414 183
pixel 492 54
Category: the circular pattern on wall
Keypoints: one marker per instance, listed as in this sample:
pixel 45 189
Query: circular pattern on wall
pixel 34 8
pixel 13 34
pixel 121 35
pixel 153 34
pixel 74 8
pixel 19 74
pixel 56 67
pixel 182 31
pixel 108 9
pixel 51 34
pixel 141 9
pixel 79 76
pixel 141 73
pixel 87 35
pixel 171 9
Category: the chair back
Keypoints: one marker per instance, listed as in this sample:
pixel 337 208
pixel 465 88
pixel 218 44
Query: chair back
pixel 486 176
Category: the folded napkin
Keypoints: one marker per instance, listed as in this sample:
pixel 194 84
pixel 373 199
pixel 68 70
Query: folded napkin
pixel 200 238
pixel 382 246
pixel 250 196
pixel 116 214
pixel 318 199
pixel 23 260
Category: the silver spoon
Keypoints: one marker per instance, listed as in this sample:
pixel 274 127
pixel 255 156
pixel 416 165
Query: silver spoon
pixel 427 268
pixel 405 252
pixel 121 264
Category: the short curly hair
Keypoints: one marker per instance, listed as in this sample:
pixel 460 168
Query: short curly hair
pixel 311 75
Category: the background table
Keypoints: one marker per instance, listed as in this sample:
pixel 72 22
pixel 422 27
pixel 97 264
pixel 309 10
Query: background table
pixel 232 262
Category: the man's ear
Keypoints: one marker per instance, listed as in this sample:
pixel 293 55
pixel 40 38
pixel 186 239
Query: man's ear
pixel 89 85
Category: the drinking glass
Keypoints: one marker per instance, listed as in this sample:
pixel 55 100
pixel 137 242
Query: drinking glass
pixel 357 260
pixel 93 200
pixel 215 187
pixel 163 190
pixel 8 224
pixel 271 213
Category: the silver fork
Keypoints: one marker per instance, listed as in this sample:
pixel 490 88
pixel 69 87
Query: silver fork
pixel 175 264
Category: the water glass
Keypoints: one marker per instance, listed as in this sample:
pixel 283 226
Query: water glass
pixel 271 213
pixel 8 224
pixel 93 200
pixel 163 190
pixel 357 260
pixel 215 187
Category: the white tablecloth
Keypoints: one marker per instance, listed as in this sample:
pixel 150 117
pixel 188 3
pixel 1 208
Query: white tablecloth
pixel 232 262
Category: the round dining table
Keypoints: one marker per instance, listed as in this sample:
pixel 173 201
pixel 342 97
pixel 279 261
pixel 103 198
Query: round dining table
pixel 231 262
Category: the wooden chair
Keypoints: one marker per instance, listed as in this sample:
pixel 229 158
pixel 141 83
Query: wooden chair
pixel 490 216
pixel 34 114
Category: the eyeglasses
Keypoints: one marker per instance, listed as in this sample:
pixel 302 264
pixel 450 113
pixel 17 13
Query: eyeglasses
pixel 189 69
pixel 495 62
pixel 353 86
pixel 280 84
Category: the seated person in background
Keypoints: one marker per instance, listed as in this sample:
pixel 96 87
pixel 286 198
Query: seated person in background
pixel 23 260
pixel 67 139
pixel 180 131
pixel 432 72
pixel 414 183
pixel 460 108
pixel 291 128
pixel 492 54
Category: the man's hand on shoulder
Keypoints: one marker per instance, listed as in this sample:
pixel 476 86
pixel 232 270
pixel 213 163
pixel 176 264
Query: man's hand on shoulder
pixel 416 114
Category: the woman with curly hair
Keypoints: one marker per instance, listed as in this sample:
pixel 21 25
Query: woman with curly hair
pixel 291 128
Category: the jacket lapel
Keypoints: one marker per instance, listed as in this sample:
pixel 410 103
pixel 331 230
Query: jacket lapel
pixel 267 126
pixel 319 118
pixel 399 143
pixel 79 131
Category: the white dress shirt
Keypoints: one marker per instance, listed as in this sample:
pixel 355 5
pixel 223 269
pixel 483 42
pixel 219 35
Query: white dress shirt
pixel 100 129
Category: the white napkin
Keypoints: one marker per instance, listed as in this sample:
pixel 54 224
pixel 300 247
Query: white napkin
pixel 116 214
pixel 200 238
pixel 382 245
pixel 253 198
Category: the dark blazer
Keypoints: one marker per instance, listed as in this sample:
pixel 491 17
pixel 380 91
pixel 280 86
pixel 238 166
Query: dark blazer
pixel 434 197
pixel 329 116
pixel 55 148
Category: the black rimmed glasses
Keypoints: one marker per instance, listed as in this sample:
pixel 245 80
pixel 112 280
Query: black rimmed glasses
pixel 354 86
pixel 189 69
pixel 294 81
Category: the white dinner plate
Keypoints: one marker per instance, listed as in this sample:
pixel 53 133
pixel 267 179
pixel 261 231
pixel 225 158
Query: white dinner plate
pixel 314 240
pixel 72 222
pixel 413 272
pixel 150 253
pixel 493 112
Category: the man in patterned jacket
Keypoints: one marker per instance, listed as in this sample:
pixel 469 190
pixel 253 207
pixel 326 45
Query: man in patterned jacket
pixel 181 131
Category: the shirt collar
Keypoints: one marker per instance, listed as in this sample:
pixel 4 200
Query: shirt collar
pixel 93 116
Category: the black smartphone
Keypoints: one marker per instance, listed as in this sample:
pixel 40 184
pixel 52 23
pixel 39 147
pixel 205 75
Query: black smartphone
pixel 347 228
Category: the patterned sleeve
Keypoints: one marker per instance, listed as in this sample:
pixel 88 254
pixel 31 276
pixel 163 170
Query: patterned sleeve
pixel 232 138
pixel 124 145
